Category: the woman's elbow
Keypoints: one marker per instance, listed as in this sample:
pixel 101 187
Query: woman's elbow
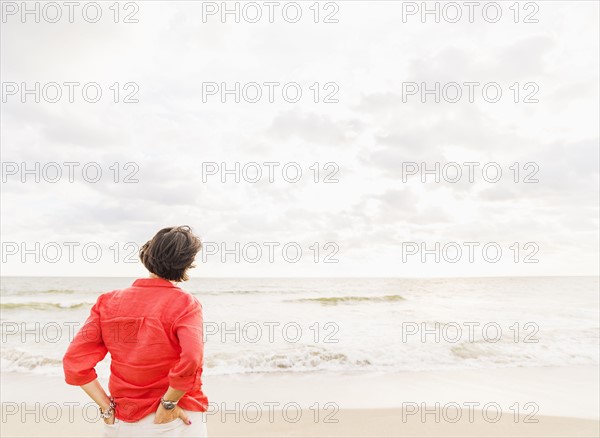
pixel 74 373
pixel 194 360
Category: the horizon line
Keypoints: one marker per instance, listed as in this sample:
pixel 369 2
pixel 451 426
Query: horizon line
pixel 309 277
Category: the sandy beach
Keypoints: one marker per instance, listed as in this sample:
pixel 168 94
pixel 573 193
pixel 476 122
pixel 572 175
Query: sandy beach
pixel 352 423
pixel 506 402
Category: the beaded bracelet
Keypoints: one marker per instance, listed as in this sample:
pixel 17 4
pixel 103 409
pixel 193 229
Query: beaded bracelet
pixel 111 409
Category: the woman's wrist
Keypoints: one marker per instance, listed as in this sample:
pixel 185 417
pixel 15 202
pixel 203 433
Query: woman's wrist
pixel 107 409
pixel 173 394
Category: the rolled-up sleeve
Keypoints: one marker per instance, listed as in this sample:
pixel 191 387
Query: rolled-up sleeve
pixel 188 329
pixel 85 351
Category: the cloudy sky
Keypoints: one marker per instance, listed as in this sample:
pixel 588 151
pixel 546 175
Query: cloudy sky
pixel 360 117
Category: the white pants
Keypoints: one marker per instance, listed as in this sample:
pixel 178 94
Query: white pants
pixel 146 427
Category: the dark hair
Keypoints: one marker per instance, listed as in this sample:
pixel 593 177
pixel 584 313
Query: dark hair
pixel 171 253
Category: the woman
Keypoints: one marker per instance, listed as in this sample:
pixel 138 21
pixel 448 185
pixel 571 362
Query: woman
pixel 153 331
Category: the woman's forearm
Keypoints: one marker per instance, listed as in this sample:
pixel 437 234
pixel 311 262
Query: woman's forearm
pixel 97 393
pixel 173 394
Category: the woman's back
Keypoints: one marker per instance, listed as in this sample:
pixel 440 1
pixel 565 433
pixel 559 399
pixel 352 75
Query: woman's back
pixel 153 332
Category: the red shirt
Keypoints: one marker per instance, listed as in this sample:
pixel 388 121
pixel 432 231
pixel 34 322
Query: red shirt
pixel 153 331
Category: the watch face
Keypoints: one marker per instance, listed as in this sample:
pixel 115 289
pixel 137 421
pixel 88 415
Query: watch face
pixel 168 405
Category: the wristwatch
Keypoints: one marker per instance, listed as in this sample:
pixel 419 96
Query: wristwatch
pixel 168 404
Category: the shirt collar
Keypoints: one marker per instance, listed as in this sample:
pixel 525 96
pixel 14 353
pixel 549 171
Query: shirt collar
pixel 152 282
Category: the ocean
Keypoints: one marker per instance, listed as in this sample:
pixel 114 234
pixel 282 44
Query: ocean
pixel 372 325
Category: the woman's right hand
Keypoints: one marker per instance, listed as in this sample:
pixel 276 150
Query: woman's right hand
pixel 166 416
